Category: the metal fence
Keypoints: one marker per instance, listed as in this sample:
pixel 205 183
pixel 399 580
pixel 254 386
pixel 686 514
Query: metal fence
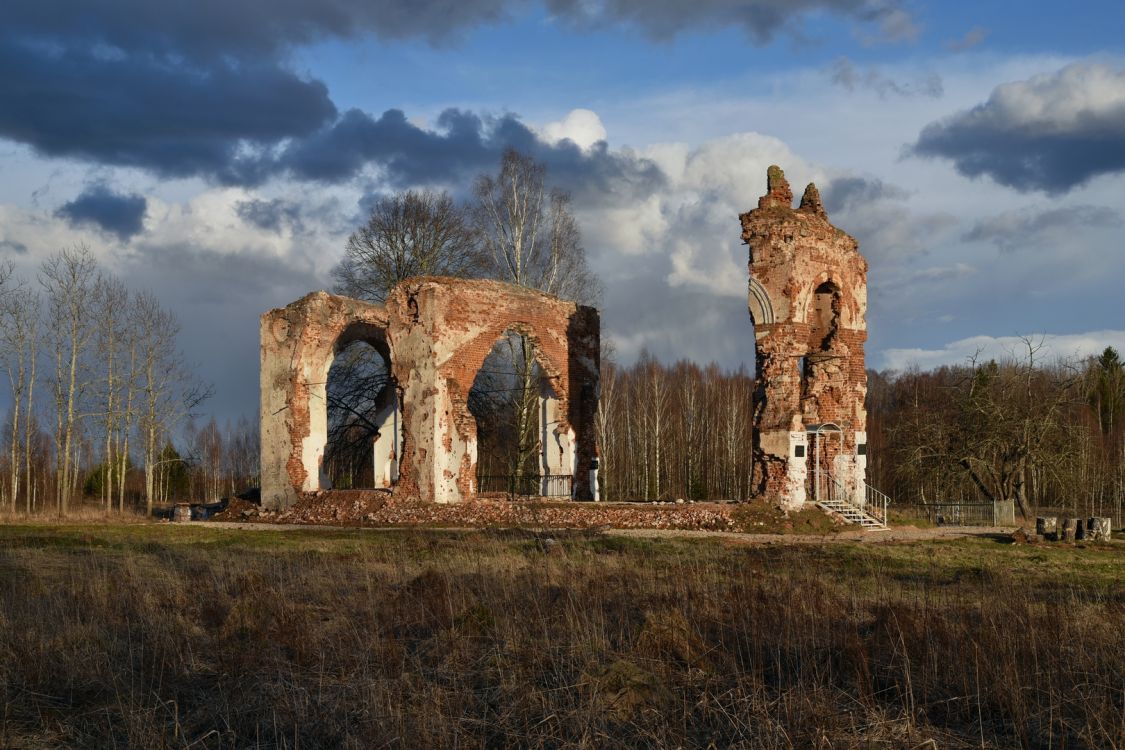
pixel 527 485
pixel 951 514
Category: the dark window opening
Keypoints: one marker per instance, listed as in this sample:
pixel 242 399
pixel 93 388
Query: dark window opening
pixel 824 316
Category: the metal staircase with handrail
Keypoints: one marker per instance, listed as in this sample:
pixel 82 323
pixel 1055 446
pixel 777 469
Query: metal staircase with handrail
pixel 872 515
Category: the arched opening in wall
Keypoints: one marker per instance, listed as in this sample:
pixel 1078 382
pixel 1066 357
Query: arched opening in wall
pixel 824 316
pixel 823 319
pixel 364 423
pixel 522 446
pixel 825 441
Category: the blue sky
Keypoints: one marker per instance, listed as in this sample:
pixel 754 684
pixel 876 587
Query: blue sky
pixel 219 153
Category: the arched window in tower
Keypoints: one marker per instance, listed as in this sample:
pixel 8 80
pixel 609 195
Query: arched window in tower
pixel 824 316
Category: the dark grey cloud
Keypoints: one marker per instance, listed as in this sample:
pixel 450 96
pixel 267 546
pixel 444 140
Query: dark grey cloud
pixel 1012 230
pixel 677 322
pixel 12 247
pixel 1051 133
pixel 271 215
pixel 227 125
pixel 890 235
pixel 172 119
pixel 250 29
pixel 938 274
pixel 849 76
pixel 760 20
pixel 185 89
pixel 462 144
pixel 245 29
pixel 877 215
pixel 851 192
pixel 204 274
pixel 114 213
pixel 218 297
pixel 207 89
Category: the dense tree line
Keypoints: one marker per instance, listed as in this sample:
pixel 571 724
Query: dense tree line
pixel 679 431
pixel 97 389
pixel 1041 434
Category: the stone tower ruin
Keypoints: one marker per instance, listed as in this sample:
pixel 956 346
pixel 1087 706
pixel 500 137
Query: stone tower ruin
pixel 808 302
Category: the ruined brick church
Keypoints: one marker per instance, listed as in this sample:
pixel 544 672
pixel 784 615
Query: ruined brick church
pixel 807 299
pixel 434 333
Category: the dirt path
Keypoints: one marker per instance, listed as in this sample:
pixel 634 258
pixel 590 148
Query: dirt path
pixel 899 534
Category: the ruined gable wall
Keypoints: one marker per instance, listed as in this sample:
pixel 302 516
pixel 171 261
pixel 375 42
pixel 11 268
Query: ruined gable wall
pixel 298 343
pixel 460 320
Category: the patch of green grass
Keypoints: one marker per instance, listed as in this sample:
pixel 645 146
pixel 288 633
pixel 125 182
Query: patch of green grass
pixel 900 518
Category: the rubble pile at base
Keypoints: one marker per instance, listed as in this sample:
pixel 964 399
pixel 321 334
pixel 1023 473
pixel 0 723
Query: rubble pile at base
pixel 378 508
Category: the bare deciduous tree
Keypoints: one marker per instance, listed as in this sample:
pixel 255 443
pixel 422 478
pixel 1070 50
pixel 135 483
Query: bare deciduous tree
pixel 19 319
pixel 412 233
pixel 355 393
pixel 167 390
pixel 1001 425
pixel 529 233
pixel 241 458
pixel 504 400
pixel 110 308
pixel 530 238
pixel 68 280
pixel 606 428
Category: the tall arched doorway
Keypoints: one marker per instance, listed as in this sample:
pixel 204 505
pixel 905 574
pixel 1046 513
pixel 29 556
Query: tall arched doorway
pixel 354 411
pixel 363 422
pixel 523 446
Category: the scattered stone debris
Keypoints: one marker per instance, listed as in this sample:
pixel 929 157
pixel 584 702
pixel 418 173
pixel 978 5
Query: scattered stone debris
pixel 381 508
pixel 237 510
pixel 1026 536
pixel 1053 529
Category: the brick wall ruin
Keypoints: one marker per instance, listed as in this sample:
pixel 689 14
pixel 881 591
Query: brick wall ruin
pixel 808 302
pixel 435 333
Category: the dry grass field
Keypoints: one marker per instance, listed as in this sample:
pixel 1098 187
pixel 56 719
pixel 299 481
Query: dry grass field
pixel 159 636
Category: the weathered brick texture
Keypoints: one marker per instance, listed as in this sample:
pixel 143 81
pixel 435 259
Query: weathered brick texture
pixel 808 301
pixel 435 333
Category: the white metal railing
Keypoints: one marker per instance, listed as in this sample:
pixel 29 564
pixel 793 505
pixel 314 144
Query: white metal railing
pixel 875 502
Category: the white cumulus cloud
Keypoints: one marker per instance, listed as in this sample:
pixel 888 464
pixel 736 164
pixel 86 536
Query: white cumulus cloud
pixel 581 126
pixel 1053 347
